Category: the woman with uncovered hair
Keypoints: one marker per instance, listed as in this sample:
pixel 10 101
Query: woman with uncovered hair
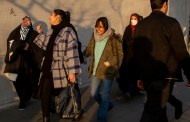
pixel 61 61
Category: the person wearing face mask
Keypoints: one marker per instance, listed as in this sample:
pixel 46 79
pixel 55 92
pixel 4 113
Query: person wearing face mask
pixel 20 62
pixel 105 49
pixel 160 53
pixel 127 80
pixel 61 61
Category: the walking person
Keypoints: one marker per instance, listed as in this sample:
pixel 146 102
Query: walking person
pixel 21 68
pixel 128 80
pixel 159 50
pixel 105 49
pixel 61 58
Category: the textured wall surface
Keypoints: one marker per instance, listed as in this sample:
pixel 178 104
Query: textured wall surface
pixel 83 16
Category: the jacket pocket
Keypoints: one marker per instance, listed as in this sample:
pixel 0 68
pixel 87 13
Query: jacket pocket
pixel 57 63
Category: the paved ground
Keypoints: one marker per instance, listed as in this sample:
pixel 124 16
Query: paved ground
pixel 125 110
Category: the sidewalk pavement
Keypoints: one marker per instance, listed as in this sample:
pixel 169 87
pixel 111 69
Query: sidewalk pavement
pixel 125 110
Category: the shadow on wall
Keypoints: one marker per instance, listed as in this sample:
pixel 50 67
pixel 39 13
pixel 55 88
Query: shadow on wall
pixel 44 26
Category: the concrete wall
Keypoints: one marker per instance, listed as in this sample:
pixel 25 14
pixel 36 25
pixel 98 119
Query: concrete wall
pixel 179 9
pixel 83 16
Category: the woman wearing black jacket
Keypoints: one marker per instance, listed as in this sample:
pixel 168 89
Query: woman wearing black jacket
pixel 23 61
pixel 127 80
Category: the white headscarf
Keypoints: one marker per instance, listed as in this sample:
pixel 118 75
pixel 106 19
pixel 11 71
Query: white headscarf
pixel 98 37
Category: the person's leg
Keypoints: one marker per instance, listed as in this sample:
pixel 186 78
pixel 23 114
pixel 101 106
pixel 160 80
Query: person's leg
pixel 178 106
pixel 105 96
pixel 21 90
pixel 29 87
pixel 47 87
pixel 17 88
pixel 158 93
pixel 95 89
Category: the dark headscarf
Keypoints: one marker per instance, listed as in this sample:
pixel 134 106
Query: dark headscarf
pixel 134 26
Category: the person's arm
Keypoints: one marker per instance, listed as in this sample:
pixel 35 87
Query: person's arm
pixel 73 61
pixel 176 41
pixel 118 52
pixel 87 51
pixel 41 39
pixel 13 48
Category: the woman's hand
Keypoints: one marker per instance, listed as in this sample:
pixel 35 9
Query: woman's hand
pixel 107 64
pixel 85 61
pixel 72 78
pixel 39 28
pixel 140 84
pixel 26 47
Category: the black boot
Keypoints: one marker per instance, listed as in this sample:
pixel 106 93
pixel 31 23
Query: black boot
pixel 46 119
pixel 178 110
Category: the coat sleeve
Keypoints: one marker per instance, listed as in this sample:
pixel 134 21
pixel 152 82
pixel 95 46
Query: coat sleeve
pixel 87 51
pixel 72 54
pixel 118 53
pixel 178 46
pixel 41 41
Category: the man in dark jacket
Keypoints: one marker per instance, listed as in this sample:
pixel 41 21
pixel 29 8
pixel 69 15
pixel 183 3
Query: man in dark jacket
pixel 159 52
pixel 23 61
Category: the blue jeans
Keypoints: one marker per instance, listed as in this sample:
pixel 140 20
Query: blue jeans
pixel 103 99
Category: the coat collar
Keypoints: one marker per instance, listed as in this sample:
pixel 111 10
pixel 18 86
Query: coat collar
pixel 158 12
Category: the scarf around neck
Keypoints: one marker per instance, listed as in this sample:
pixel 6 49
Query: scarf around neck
pixel 98 37
pixel 24 31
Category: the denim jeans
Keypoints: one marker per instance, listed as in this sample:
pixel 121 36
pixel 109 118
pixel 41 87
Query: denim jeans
pixel 103 99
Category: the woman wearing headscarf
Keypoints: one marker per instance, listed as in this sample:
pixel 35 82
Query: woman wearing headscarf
pixel 127 80
pixel 21 66
pixel 105 49
pixel 61 61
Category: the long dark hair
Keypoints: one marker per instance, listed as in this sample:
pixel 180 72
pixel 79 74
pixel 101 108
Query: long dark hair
pixel 104 22
pixel 157 4
pixel 64 15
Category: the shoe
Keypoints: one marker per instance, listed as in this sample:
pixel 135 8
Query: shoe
pixel 22 106
pixel 46 119
pixel 179 110
pixel 79 117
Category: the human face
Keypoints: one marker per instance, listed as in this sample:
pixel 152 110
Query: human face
pixel 26 22
pixel 134 20
pixel 54 19
pixel 100 28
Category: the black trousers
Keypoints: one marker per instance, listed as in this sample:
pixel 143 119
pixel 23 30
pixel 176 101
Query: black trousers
pixel 173 101
pixel 23 87
pixel 158 94
pixel 47 91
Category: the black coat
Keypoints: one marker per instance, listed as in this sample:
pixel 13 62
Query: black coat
pixel 127 69
pixel 23 61
pixel 160 50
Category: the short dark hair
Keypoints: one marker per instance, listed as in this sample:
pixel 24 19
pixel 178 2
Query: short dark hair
pixel 157 4
pixel 64 15
pixel 104 22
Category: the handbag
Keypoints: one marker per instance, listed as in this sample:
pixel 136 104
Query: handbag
pixel 11 76
pixel 68 102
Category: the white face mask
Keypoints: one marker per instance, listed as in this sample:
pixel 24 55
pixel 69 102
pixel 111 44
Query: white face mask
pixel 134 22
